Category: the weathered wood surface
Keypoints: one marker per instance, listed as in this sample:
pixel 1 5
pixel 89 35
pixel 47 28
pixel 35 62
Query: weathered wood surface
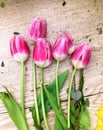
pixel 82 18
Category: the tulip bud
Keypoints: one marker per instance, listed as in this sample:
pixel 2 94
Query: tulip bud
pixel 42 53
pixel 19 48
pixel 38 28
pixel 81 55
pixel 70 42
pixel 60 49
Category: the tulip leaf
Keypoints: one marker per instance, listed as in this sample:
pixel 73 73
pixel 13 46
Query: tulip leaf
pixel 72 107
pixel 81 81
pixel 73 120
pixel 84 118
pixel 58 125
pixel 51 88
pixel 58 111
pixel 38 127
pixel 14 110
pixel 87 102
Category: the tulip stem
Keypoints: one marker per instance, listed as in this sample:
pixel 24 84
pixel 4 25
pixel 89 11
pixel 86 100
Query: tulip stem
pixel 57 85
pixel 22 86
pixel 69 93
pixel 35 94
pixel 42 98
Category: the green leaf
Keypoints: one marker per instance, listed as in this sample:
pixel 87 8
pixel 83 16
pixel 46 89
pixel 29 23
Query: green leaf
pixel 73 120
pixel 58 125
pixel 14 110
pixel 87 102
pixel 84 118
pixel 57 111
pixel 38 127
pixel 2 4
pixel 76 95
pixel 51 88
pixel 81 81
pixel 77 112
pixel 72 107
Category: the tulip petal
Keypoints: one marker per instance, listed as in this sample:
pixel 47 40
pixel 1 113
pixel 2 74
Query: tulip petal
pixel 38 28
pixel 42 53
pixel 19 48
pixel 81 55
pixel 70 42
pixel 60 49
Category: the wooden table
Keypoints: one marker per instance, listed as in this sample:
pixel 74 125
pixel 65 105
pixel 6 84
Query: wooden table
pixel 82 18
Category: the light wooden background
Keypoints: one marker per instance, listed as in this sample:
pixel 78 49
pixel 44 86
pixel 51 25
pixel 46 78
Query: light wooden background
pixel 82 18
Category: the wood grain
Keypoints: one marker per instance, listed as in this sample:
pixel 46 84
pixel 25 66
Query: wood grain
pixel 83 19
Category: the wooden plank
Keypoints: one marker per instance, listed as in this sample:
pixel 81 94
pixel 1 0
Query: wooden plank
pixel 83 19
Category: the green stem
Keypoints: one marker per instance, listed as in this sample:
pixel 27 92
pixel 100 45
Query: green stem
pixel 57 85
pixel 69 92
pixel 42 98
pixel 22 92
pixel 22 87
pixel 35 94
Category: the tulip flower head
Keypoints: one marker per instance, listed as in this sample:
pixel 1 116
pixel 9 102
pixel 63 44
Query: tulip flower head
pixel 70 42
pixel 60 49
pixel 38 28
pixel 19 48
pixel 42 53
pixel 81 55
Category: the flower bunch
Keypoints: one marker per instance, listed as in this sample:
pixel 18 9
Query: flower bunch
pixel 42 57
pixel 43 54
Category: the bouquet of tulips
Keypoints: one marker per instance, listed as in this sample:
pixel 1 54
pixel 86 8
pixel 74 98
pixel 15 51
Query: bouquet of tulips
pixel 77 116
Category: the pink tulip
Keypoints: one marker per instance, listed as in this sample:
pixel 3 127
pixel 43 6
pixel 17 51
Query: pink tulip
pixel 42 53
pixel 81 55
pixel 38 28
pixel 70 42
pixel 60 49
pixel 19 48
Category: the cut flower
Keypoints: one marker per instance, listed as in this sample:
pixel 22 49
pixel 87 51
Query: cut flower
pixel 60 49
pixel 19 48
pixel 38 28
pixel 81 55
pixel 42 53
